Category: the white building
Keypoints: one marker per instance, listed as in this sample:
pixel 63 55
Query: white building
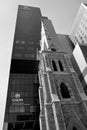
pixel 79 38
pixel 79 29
pixel 79 61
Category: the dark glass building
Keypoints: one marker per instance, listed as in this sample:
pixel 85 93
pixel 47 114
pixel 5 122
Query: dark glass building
pixel 22 106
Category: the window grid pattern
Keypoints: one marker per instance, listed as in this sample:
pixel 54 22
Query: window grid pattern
pixel 23 95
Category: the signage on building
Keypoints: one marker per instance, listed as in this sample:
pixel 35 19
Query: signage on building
pixel 17 98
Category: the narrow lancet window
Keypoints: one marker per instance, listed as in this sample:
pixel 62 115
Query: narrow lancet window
pixel 74 128
pixel 54 65
pixel 60 65
pixel 64 91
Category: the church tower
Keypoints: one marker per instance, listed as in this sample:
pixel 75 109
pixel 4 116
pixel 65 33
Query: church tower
pixel 63 103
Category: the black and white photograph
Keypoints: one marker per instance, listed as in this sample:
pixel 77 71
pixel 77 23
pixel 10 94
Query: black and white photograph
pixel 43 65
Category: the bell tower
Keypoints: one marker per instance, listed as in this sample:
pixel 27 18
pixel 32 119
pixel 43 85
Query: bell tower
pixel 62 98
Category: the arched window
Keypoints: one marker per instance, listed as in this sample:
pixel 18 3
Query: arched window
pixel 74 128
pixel 60 65
pixel 64 91
pixel 53 49
pixel 54 65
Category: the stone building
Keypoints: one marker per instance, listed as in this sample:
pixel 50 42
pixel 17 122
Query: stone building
pixel 63 103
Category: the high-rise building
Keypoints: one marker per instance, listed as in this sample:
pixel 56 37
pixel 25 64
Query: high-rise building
pixel 79 29
pixel 22 106
pixel 44 92
pixel 79 38
pixel 79 62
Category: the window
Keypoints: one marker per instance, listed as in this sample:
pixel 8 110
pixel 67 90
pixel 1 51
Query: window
pixel 19 42
pixel 17 108
pixel 10 126
pixel 54 65
pixel 30 42
pixel 32 109
pixel 60 65
pixel 17 55
pixel 24 117
pixel 26 8
pixel 12 109
pixel 22 42
pixel 64 91
pixel 18 48
pixel 28 55
pixel 53 49
pixel 74 128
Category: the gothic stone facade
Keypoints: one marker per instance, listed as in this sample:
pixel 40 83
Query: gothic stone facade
pixel 63 103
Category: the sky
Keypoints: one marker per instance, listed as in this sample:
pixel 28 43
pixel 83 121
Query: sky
pixel 61 12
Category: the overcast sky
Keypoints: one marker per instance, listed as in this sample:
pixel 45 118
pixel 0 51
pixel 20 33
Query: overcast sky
pixel 61 12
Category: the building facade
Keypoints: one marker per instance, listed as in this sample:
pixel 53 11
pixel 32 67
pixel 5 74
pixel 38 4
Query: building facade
pixel 79 38
pixel 61 95
pixel 79 29
pixel 22 106
pixel 79 61
pixel 44 92
pixel 66 44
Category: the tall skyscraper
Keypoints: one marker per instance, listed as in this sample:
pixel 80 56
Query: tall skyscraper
pixel 79 29
pixel 79 61
pixel 22 106
pixel 44 92
pixel 79 38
